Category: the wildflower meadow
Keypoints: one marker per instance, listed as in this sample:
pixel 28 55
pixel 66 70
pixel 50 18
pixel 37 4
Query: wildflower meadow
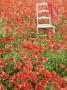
pixel 29 61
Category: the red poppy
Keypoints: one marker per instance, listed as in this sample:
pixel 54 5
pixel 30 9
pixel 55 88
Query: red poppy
pixel 18 65
pixel 6 39
pixel 62 65
pixel 11 59
pixel 4 75
pixel 43 59
pixel 39 87
pixel 1 51
pixel 2 63
pixel 28 86
pixel 8 51
pixel 2 87
pixel 44 81
pixel 0 39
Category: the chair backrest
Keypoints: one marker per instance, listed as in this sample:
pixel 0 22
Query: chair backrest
pixel 41 11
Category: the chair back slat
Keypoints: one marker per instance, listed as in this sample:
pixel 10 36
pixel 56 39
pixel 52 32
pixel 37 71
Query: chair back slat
pixel 43 17
pixel 42 4
pixel 41 11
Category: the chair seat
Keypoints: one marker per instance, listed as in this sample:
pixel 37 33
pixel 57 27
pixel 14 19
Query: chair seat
pixel 44 26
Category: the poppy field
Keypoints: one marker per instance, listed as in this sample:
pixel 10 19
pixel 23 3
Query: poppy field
pixel 29 61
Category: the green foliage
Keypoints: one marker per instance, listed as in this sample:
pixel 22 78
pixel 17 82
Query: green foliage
pixel 48 88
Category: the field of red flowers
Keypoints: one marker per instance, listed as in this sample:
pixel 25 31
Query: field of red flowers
pixel 28 61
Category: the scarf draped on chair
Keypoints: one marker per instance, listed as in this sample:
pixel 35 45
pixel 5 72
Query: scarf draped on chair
pixel 53 12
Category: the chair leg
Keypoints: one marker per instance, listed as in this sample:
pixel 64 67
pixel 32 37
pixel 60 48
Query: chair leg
pixel 37 31
pixel 54 30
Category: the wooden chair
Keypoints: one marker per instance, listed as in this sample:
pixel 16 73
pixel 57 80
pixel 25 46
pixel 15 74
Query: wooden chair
pixel 44 25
